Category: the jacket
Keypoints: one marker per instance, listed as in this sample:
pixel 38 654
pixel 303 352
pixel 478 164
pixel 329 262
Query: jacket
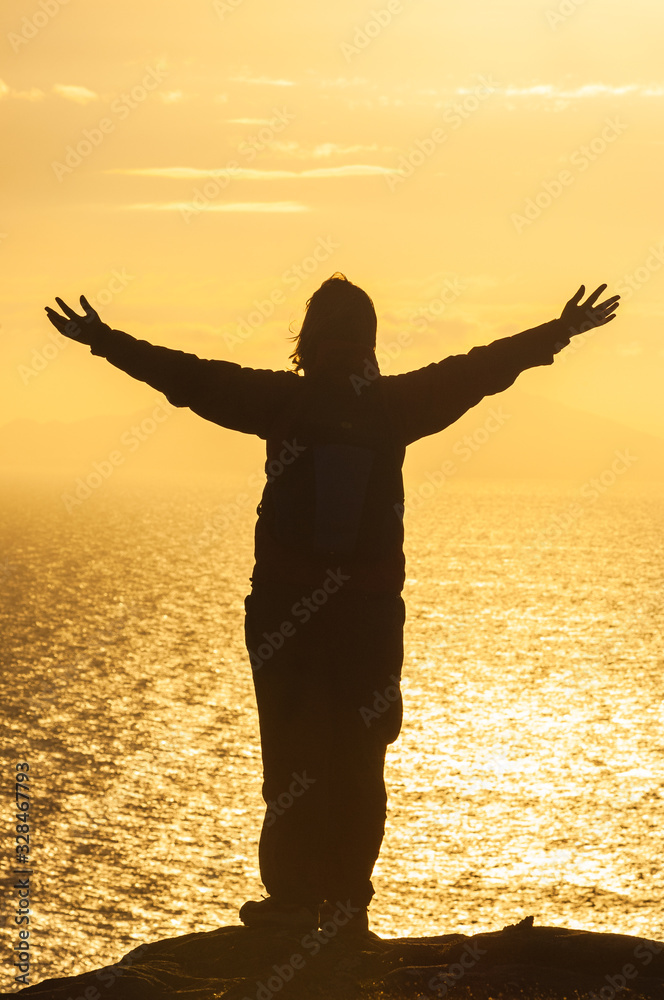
pixel 336 440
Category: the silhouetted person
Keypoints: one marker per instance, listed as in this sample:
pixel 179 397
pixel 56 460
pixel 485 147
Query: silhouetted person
pixel 324 619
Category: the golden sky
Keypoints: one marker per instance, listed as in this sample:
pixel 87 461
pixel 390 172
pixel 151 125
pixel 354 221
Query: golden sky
pixel 197 169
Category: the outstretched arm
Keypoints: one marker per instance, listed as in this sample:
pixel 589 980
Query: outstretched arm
pixel 512 355
pixel 242 399
pixel 432 398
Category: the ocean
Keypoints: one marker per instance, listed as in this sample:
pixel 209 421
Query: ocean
pixel 528 777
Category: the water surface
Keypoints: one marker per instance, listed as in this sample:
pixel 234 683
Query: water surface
pixel 528 777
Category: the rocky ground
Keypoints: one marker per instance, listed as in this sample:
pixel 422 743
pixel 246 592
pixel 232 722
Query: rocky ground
pixel 520 962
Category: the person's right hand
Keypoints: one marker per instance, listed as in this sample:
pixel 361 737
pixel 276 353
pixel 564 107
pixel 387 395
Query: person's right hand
pixel 81 328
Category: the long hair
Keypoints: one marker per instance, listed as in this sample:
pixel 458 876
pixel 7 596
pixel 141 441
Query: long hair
pixel 338 310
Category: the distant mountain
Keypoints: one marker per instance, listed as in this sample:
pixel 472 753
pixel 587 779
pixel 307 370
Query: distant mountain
pixel 153 443
pixel 516 435
pixel 513 435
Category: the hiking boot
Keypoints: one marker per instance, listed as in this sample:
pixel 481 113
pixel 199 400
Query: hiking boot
pixel 270 915
pixel 348 925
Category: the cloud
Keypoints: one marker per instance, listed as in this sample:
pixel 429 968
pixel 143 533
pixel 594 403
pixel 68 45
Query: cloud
pixel 34 94
pixel 579 93
pixel 333 148
pixel 344 82
pixel 237 206
pixel 630 350
pixel 249 121
pixel 548 91
pixel 251 174
pixel 263 81
pixel 80 95
pixel 325 149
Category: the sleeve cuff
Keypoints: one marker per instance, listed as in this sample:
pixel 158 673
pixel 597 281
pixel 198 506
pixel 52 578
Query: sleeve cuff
pixel 106 340
pixel 543 342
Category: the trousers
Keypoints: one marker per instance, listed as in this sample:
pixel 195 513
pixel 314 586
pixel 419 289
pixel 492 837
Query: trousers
pixel 326 674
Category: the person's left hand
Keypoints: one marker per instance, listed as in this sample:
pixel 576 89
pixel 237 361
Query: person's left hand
pixel 81 328
pixel 581 316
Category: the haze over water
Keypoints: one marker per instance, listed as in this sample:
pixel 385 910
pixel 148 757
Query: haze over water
pixel 527 778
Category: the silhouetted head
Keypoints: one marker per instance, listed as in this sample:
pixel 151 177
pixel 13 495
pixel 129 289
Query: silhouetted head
pixel 340 311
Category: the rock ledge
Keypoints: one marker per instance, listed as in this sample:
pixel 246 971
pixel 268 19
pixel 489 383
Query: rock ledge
pixel 520 962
